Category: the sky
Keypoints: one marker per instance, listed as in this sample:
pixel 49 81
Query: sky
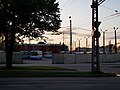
pixel 81 16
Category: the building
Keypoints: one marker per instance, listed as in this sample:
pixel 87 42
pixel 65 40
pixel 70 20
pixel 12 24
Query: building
pixel 55 48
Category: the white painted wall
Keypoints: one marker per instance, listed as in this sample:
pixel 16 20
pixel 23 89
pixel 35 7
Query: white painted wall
pixel 83 58
pixel 16 58
pixel 67 58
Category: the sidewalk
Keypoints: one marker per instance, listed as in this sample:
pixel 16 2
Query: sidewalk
pixel 83 67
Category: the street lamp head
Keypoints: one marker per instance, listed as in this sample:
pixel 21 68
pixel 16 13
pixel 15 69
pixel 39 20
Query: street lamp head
pixel 69 17
pixel 114 27
pixel 86 37
pixel 116 11
pixel 102 30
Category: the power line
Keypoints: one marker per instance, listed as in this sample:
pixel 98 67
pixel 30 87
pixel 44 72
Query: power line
pixel 64 4
pixel 110 18
pixel 67 27
pixel 82 29
pixel 105 18
pixel 68 3
pixel 105 3
pixel 108 8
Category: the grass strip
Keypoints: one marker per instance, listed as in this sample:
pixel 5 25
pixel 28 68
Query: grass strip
pixel 48 71
pixel 36 68
pixel 115 66
pixel 45 73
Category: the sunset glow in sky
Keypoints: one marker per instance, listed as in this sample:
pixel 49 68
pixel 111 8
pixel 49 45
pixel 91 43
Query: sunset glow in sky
pixel 81 12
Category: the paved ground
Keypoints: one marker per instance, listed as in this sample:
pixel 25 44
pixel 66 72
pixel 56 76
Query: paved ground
pixel 105 67
pixel 60 83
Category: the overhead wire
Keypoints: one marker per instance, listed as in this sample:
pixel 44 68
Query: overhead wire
pixel 107 17
pixel 82 29
pixel 67 27
pixel 108 8
pixel 67 3
pixel 105 3
pixel 64 3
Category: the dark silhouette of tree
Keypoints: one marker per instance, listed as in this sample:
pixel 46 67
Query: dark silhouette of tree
pixel 26 18
pixel 1 41
pixel 111 46
pixel 64 47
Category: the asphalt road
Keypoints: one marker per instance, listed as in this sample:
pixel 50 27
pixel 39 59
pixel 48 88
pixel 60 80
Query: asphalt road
pixel 60 83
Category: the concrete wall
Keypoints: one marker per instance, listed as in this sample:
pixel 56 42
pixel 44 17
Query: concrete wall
pixel 58 59
pixel 67 58
pixel 2 58
pixel 16 58
pixel 83 58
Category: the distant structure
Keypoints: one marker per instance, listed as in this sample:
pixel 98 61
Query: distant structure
pixel 55 48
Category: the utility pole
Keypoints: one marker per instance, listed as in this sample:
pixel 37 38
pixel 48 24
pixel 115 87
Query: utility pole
pixel 115 39
pixel 86 43
pixel 70 35
pixel 103 40
pixel 75 45
pixel 95 35
pixel 110 47
pixel 63 42
pixel 79 44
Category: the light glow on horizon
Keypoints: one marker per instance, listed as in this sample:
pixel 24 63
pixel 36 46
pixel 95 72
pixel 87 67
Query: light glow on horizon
pixel 80 11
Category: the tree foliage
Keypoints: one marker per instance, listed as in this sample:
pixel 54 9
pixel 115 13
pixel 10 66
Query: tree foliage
pixel 27 18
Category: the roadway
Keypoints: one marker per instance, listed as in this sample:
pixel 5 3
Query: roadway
pixel 60 83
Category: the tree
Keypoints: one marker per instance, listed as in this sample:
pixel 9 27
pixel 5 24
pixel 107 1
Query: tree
pixel 64 47
pixel 1 41
pixel 26 18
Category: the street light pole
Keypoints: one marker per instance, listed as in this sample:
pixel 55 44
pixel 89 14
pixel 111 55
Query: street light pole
pixel 79 44
pixel 75 45
pixel 115 39
pixel 70 34
pixel 103 40
pixel 63 42
pixel 86 42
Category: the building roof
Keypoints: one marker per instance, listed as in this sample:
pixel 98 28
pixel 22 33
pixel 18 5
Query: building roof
pixel 41 44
